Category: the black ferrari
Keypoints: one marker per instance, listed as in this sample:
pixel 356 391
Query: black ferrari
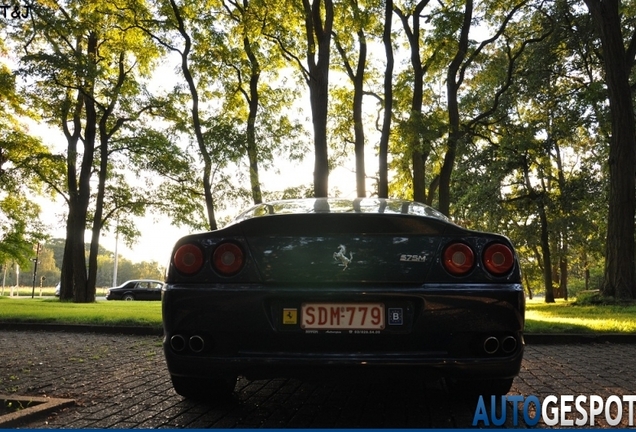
pixel 323 287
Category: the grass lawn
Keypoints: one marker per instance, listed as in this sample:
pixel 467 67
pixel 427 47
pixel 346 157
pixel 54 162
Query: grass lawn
pixel 51 310
pixel 541 317
pixel 564 317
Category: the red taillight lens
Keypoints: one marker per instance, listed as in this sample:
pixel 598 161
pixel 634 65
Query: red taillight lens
pixel 458 259
pixel 498 259
pixel 228 259
pixel 188 259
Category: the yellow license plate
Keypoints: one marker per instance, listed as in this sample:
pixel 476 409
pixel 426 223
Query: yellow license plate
pixel 342 316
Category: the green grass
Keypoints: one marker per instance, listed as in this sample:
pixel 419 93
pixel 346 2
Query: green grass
pixel 541 317
pixel 566 317
pixel 43 310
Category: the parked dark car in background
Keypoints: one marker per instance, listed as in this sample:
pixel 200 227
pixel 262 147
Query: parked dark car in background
pixel 332 287
pixel 143 289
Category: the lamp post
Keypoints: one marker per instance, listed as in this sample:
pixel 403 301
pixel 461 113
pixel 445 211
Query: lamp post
pixel 116 255
pixel 35 267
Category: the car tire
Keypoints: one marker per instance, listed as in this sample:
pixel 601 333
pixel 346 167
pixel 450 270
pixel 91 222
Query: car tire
pixel 476 388
pixel 204 388
pixel 128 297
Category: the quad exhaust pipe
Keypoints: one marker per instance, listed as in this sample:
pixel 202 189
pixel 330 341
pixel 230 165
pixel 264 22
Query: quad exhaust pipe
pixel 491 345
pixel 195 343
pixel 177 343
pixel 506 344
pixel 509 344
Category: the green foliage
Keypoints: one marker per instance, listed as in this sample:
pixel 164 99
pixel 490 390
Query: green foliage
pixel 50 264
pixel 534 123
pixel 24 162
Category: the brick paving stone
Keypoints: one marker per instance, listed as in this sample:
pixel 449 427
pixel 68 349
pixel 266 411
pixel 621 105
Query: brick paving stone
pixel 121 381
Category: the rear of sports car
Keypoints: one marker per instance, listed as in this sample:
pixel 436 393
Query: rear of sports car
pixel 356 293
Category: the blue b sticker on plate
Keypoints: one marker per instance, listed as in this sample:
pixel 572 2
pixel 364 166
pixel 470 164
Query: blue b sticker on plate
pixel 396 316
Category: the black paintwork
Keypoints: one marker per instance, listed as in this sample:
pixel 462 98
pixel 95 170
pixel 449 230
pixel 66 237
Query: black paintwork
pixel 393 259
pixel 138 289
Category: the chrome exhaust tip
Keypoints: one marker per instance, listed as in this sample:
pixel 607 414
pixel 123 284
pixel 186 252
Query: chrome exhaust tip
pixel 509 344
pixel 196 343
pixel 491 345
pixel 177 343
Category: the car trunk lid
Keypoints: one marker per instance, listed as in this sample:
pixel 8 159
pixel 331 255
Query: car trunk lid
pixel 343 248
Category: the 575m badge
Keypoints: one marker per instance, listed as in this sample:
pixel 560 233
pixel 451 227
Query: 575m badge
pixel 412 258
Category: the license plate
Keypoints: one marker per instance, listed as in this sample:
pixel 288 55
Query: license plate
pixel 342 316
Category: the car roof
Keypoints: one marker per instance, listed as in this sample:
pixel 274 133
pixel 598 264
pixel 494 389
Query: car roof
pixel 142 280
pixel 340 205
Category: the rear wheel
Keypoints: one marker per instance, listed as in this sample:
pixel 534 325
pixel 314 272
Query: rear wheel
pixel 204 388
pixel 128 297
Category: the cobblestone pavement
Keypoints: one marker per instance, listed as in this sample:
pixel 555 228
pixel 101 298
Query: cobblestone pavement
pixel 121 381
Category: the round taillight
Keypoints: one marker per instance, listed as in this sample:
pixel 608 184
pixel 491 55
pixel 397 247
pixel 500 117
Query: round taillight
pixel 227 259
pixel 458 259
pixel 188 259
pixel 498 259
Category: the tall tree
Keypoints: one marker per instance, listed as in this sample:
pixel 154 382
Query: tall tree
pixel 359 19
pixel 534 174
pixel 251 87
pixel 383 180
pixel 318 27
pixel 419 150
pixel 238 13
pixel 85 59
pixel 620 277
pixel 315 29
pixel 463 59
pixel 178 21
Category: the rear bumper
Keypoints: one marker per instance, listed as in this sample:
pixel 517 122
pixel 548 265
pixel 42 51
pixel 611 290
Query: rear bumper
pixel 213 331
pixel 320 366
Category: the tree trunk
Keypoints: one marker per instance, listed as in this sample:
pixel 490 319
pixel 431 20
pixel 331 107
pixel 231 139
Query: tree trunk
pixel 319 42
pixel 83 293
pixel 99 210
pixel 619 276
pixel 453 82
pixel 357 78
pixel 73 277
pixel 555 277
pixel 545 251
pixel 586 266
pixel 527 284
pixel 67 277
pixel 358 91
pixel 104 137
pixel 252 148
pixel 538 199
pixel 383 186
pixel 196 120
pixel 566 211
pixel 563 280
pixel 418 156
